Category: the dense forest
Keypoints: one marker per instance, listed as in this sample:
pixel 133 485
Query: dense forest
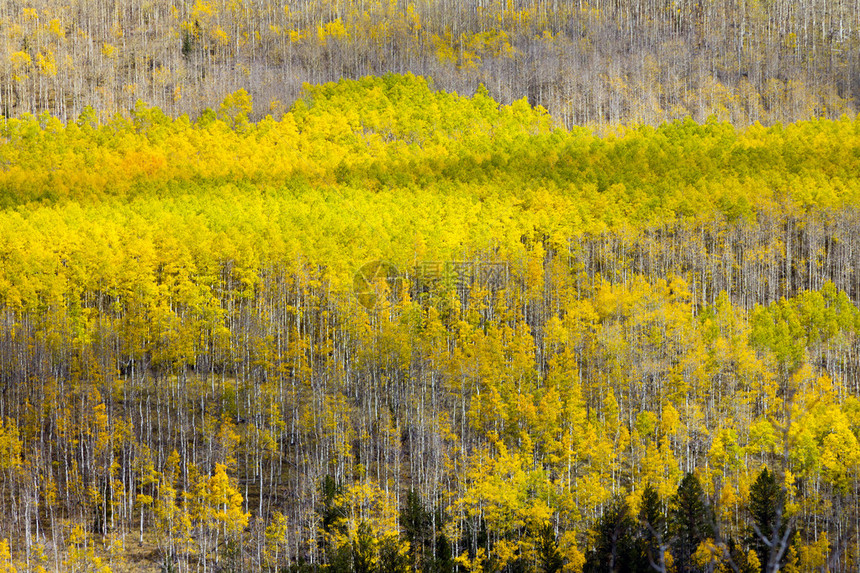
pixel 397 329
pixel 438 286
pixel 587 63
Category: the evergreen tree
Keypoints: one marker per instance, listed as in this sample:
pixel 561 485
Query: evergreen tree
pixel 415 521
pixel 690 520
pixel 332 511
pixel 363 549
pixel 766 505
pixel 549 557
pixel 443 557
pixel 614 547
pixel 391 558
pixel 341 561
pixel 332 516
pixel 652 523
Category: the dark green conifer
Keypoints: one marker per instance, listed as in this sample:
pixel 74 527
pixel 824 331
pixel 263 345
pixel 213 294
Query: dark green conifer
pixel 690 521
pixel 766 505
pixel 549 557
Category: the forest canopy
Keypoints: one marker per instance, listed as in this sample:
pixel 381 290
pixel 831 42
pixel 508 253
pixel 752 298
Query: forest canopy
pixel 393 328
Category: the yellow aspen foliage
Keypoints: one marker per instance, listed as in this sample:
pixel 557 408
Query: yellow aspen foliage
pixel 708 554
pixel 56 29
pixel 504 552
pixel 725 455
pixel 334 29
pixel 763 436
pixel 840 455
pixel 101 428
pixel 473 564
pixel 728 501
pixel 82 553
pixel 670 421
pixel 370 504
pixel 221 37
pixel 224 502
pixel 753 563
pixel 109 50
pixel 445 52
pixel 814 555
pixel 6 558
pixel 235 108
pixel 10 446
pixel 276 540
pixel 47 63
pixel 792 559
pixel 20 62
pixel 573 557
pixel 228 441
pixel 173 524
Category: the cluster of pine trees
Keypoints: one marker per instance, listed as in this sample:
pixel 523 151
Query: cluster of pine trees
pixel 270 345
pixel 588 63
